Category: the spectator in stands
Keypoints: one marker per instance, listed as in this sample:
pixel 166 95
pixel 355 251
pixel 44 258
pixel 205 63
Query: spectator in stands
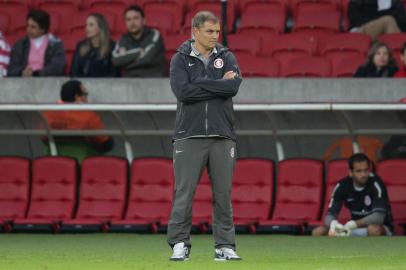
pixel 402 71
pixel 4 55
pixel 140 52
pixel 74 92
pixel 93 55
pixel 379 63
pixel 39 53
pixel 376 17
pixel 365 195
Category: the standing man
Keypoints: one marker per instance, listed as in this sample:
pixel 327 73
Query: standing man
pixel 204 77
pixel 365 195
pixel 140 52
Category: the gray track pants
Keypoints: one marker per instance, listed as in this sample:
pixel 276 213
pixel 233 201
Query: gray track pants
pixel 190 157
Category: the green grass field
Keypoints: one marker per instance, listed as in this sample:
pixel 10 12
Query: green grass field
pixel 138 252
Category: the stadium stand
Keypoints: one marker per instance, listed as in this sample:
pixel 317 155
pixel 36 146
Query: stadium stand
pixel 14 190
pixel 52 197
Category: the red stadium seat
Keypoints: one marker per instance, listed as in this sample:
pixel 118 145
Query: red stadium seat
pixel 264 16
pixel 16 24
pixel 299 194
pixel 306 66
pixel 61 14
pixel 252 193
pixel 296 5
pixel 14 189
pixel 317 18
pixel 210 5
pixel 254 66
pixel 346 43
pixel 103 190
pixel 284 48
pixel 244 44
pixel 78 25
pixel 344 65
pixel 243 4
pixel 150 198
pixel 172 43
pixel 53 194
pixel 166 16
pixel 393 175
pixel 394 41
pixel 41 4
pixel 4 22
pixel 114 13
pixel 88 4
pixel 336 170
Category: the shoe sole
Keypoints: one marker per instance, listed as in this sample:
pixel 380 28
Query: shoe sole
pixel 178 259
pixel 224 260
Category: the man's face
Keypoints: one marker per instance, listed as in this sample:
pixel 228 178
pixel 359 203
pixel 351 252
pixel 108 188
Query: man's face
pixel 360 173
pixel 83 97
pixel 207 35
pixel 135 22
pixel 33 29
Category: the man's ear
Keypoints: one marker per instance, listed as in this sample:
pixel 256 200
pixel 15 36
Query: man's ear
pixel 350 172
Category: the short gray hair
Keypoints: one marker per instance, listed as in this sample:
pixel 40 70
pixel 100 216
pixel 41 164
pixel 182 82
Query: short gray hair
pixel 204 16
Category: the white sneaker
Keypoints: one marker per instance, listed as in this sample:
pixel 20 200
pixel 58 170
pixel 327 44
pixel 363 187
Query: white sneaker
pixel 225 254
pixel 180 252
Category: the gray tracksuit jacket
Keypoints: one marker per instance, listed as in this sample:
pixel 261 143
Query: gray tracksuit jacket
pixel 205 105
pixel 144 57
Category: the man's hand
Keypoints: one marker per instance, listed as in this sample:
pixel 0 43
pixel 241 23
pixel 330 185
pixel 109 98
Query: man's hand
pixel 122 51
pixel 229 75
pixel 336 229
pixel 27 72
pixel 349 226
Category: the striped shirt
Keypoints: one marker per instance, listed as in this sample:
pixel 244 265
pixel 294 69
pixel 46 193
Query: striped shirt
pixel 4 56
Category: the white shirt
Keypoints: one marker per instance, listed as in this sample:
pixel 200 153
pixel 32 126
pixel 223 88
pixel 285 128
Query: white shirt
pixel 384 4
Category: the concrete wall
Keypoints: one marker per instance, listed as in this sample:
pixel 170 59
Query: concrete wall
pixel 252 91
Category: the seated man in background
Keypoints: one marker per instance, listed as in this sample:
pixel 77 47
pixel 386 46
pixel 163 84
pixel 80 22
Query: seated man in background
pixel 4 55
pixel 73 92
pixel 365 195
pixel 140 52
pixel 376 17
pixel 39 53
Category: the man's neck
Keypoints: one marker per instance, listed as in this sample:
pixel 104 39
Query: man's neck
pixel 203 51
pixel 138 35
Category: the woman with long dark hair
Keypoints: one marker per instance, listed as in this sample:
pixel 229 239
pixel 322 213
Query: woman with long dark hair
pixel 93 54
pixel 379 63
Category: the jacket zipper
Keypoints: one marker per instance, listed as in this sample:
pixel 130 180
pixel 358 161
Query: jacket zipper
pixel 207 103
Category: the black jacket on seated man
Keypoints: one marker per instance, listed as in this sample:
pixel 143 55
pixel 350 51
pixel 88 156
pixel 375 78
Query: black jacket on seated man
pixel 54 62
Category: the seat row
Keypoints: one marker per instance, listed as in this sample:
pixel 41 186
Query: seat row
pixel 47 194
pixel 172 16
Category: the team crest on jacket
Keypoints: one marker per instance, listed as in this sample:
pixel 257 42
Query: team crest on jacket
pixel 367 200
pixel 218 63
